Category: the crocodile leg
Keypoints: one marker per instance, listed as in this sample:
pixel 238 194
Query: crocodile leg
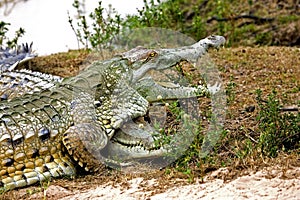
pixel 85 138
pixel 84 142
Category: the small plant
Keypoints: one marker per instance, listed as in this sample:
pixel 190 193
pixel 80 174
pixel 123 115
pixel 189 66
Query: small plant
pixel 4 40
pixel 279 131
pixel 178 136
pixel 157 13
pixel 104 27
pixel 230 90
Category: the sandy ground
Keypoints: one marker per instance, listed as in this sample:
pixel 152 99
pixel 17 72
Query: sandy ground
pixel 265 184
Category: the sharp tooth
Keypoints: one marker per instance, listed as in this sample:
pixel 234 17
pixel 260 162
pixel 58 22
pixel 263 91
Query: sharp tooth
pixel 108 131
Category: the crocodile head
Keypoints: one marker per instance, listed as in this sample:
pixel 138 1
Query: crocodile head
pixel 144 59
pixel 135 141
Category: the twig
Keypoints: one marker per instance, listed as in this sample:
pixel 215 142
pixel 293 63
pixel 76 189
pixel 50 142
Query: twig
pixel 251 138
pixel 258 20
pixel 289 109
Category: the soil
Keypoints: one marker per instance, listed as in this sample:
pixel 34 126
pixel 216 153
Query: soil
pixel 249 68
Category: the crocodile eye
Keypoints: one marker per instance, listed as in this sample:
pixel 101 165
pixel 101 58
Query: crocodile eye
pixel 152 54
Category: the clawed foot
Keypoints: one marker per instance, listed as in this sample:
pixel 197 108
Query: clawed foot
pixel 213 89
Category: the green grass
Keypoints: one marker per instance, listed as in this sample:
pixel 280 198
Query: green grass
pixel 288 18
pixel 230 90
pixel 279 131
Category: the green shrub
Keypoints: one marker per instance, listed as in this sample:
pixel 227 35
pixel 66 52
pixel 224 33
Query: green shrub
pixel 103 28
pixel 279 131
pixel 158 14
pixel 241 22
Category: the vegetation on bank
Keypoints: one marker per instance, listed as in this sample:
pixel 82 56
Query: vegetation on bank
pixel 243 23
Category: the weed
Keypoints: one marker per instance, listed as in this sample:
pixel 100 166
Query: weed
pixel 230 91
pixel 103 29
pixel 279 131
pixel 33 191
pixel 264 38
pixel 157 13
pixel 4 40
pixel 288 18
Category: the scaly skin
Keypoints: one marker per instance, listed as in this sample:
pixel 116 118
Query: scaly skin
pixel 50 128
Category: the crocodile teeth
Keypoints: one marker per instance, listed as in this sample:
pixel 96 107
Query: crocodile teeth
pixel 79 163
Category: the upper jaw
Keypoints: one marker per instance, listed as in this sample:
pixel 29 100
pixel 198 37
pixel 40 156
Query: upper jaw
pixel 165 58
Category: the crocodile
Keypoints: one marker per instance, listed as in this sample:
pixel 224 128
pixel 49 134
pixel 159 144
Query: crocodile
pixel 52 126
